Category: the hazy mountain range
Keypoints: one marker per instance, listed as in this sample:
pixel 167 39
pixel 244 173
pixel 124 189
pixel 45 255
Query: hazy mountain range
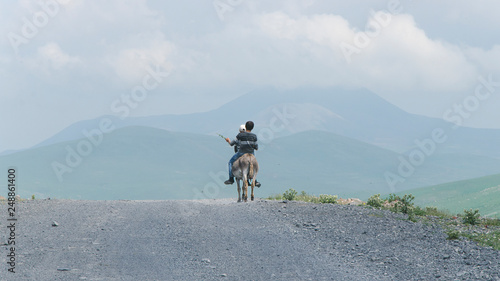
pixel 333 141
pixel 358 114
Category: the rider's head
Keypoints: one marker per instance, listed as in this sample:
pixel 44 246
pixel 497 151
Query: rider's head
pixel 249 126
pixel 242 128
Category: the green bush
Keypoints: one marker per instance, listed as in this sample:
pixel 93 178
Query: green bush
pixel 419 211
pixel 392 197
pixel 304 197
pixel 375 201
pixel 411 216
pixel 471 217
pixel 453 234
pixel 405 204
pixel 290 194
pixel 324 198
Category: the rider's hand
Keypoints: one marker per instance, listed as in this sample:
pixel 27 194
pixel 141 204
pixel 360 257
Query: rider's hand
pixel 228 140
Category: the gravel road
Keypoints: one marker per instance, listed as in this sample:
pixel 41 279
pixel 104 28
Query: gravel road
pixel 225 240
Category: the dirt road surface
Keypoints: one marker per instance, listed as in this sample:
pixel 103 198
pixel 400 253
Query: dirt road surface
pixel 224 240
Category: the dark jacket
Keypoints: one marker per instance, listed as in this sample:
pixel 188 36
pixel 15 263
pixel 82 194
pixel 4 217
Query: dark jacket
pixel 248 142
pixel 236 144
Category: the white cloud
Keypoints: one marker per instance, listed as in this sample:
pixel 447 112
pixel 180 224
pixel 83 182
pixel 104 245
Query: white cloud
pixel 404 55
pixel 399 55
pixel 487 60
pixel 130 63
pixel 92 51
pixel 322 29
pixel 51 57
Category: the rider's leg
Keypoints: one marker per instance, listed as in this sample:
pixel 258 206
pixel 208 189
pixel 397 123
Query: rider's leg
pixel 230 167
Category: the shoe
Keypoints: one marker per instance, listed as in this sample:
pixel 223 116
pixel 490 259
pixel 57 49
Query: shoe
pixel 229 181
pixel 257 184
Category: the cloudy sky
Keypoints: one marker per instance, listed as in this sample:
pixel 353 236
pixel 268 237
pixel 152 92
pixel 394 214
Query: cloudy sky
pixel 62 61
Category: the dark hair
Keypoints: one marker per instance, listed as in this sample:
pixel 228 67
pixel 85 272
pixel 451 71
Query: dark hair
pixel 249 125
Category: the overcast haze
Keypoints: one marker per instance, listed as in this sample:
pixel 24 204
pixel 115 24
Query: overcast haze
pixel 74 60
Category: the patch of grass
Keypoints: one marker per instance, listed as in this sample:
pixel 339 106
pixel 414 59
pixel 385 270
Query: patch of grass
pixel 290 194
pixel 375 201
pixel 484 231
pixel 433 211
pixel 490 222
pixel 400 205
pixel 419 211
pixel 491 239
pixel 304 197
pixel 453 234
pixel 276 197
pixel 471 217
pixel 392 197
pixel 328 199
pixel 405 204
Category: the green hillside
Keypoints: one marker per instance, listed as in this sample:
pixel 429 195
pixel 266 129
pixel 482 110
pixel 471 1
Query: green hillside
pixel 130 163
pixel 321 162
pixel 148 163
pixel 479 193
pixel 324 163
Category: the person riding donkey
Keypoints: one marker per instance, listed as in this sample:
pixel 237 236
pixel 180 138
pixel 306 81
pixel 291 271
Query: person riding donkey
pixel 246 142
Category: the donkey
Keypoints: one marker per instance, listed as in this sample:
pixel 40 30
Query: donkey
pixel 245 168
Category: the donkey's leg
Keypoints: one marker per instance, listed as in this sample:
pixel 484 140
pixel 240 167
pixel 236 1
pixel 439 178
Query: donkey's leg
pixel 253 185
pixel 245 188
pixel 239 190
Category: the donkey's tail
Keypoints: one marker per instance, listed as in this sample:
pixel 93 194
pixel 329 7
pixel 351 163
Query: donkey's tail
pixel 250 170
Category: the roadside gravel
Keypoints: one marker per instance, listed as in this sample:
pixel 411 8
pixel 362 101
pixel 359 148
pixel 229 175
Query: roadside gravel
pixel 225 240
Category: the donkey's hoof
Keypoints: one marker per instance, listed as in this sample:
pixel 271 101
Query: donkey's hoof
pixel 252 198
pixel 239 200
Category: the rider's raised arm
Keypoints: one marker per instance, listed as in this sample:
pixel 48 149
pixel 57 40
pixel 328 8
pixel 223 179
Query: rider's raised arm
pixel 233 142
